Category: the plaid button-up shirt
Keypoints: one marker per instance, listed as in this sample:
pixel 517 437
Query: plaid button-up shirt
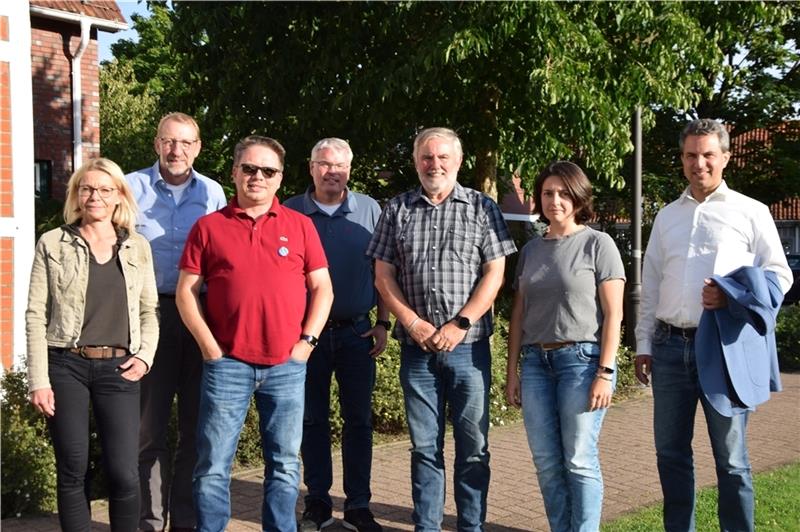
pixel 439 252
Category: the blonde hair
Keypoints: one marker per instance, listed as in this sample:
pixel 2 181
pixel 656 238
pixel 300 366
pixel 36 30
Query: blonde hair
pixel 124 214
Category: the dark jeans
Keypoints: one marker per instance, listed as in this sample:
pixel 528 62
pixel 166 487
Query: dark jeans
pixel 167 488
pixel 77 383
pixel 344 352
pixel 676 392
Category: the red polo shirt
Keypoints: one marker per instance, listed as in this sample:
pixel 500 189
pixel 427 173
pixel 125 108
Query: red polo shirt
pixel 256 276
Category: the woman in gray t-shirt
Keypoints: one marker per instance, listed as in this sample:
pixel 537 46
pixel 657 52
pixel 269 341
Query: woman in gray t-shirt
pixel 562 343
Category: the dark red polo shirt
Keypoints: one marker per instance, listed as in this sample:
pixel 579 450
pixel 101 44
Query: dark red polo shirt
pixel 256 276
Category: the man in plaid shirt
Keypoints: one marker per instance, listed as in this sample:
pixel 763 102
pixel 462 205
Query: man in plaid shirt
pixel 439 256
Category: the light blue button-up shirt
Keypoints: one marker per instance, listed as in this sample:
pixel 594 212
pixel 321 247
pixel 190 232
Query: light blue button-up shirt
pixel 165 224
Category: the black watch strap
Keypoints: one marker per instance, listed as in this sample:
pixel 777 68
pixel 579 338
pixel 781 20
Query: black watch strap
pixel 605 369
pixel 462 322
pixel 386 324
pixel 313 340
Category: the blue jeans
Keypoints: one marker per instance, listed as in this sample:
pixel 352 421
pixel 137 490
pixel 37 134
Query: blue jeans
pixel 676 390
pixel 563 433
pixel 343 351
pixel 225 391
pixel 431 382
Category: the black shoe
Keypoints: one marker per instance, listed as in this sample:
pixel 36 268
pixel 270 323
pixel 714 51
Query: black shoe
pixel 360 520
pixel 316 516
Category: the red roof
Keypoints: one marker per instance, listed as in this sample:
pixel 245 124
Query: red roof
pixel 100 9
pixel 787 209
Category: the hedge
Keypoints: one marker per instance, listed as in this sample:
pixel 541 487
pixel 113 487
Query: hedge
pixel 28 465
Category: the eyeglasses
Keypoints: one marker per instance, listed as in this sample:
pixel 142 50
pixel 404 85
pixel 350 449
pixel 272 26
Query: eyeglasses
pixel 168 143
pixel 338 167
pixel 103 192
pixel 252 169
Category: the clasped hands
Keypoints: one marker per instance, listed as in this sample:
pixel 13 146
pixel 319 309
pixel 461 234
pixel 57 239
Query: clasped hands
pixel 443 339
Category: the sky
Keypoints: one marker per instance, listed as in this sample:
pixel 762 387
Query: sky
pixel 105 39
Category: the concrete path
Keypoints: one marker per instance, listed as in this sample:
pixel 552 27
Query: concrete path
pixel 627 455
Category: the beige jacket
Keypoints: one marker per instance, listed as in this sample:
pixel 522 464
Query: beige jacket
pixel 56 298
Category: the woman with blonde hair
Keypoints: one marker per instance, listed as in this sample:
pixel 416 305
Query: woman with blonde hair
pixel 562 344
pixel 92 332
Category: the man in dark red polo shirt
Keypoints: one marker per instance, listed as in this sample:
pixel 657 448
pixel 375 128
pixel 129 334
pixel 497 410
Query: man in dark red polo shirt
pixel 269 294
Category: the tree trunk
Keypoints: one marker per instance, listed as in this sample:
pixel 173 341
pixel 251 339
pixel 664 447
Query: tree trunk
pixel 486 146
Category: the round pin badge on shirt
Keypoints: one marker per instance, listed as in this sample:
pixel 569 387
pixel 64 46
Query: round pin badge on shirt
pixel 283 251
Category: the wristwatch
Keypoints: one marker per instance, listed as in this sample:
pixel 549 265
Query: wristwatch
pixel 386 324
pixel 462 322
pixel 605 369
pixel 313 340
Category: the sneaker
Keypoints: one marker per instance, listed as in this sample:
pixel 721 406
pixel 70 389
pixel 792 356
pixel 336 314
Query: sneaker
pixel 360 520
pixel 316 516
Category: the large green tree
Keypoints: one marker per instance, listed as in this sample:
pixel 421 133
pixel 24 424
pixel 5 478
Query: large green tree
pixel 522 82
pixel 756 90
pixel 127 115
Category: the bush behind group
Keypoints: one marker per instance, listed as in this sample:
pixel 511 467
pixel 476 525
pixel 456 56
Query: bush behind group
pixel 28 464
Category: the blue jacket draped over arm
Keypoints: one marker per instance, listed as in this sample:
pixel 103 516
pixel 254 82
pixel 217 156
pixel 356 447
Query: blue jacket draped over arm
pixel 737 361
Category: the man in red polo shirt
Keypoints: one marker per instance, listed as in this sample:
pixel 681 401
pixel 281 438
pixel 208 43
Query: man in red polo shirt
pixel 269 294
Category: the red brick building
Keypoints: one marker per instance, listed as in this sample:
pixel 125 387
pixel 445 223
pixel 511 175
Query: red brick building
pixel 49 124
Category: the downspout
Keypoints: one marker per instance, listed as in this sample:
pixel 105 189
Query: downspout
pixel 77 95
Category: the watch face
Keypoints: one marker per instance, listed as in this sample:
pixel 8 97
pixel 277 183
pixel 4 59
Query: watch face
pixel 463 323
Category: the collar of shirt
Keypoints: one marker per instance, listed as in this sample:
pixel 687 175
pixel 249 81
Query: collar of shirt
pixel 238 212
pixel 457 194
pixel 350 203
pixel 159 183
pixel 720 193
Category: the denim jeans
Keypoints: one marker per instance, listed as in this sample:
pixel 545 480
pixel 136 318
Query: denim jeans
pixel 435 384
pixel 343 351
pixel 225 391
pixel 77 383
pixel 167 486
pixel 563 433
pixel 676 391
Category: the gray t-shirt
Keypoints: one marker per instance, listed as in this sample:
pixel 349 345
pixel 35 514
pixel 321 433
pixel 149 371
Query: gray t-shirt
pixel 558 279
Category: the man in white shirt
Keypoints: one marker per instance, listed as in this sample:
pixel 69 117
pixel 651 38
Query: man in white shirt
pixel 707 221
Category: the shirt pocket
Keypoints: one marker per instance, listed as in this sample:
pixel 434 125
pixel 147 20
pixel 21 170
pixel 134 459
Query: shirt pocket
pixel 63 270
pixel 463 244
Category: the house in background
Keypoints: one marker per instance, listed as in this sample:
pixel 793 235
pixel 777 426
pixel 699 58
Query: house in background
pixel 746 148
pixel 49 124
pixel 786 214
pixel 752 148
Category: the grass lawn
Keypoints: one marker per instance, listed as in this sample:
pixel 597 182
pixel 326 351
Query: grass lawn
pixel 777 508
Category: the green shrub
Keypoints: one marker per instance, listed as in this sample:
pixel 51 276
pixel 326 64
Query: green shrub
pixel 388 411
pixel 787 337
pixel 28 462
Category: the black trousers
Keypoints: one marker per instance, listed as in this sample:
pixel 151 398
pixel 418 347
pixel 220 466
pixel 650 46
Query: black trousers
pixel 78 383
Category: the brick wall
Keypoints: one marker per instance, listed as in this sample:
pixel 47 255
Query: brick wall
pixel 7 301
pixel 6 211
pixel 52 44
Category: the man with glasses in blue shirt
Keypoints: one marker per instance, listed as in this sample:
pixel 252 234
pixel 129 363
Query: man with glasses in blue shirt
pixel 171 196
pixel 348 344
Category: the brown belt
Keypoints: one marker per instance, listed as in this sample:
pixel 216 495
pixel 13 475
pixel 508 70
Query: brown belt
pixel 99 351
pixel 556 345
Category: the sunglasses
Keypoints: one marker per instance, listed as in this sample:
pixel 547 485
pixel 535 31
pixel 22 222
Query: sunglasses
pixel 252 169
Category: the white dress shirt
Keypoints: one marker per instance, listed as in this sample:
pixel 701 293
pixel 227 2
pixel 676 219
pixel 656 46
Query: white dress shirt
pixel 683 248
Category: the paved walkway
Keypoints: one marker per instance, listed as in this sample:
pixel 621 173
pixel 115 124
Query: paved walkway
pixel 627 455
